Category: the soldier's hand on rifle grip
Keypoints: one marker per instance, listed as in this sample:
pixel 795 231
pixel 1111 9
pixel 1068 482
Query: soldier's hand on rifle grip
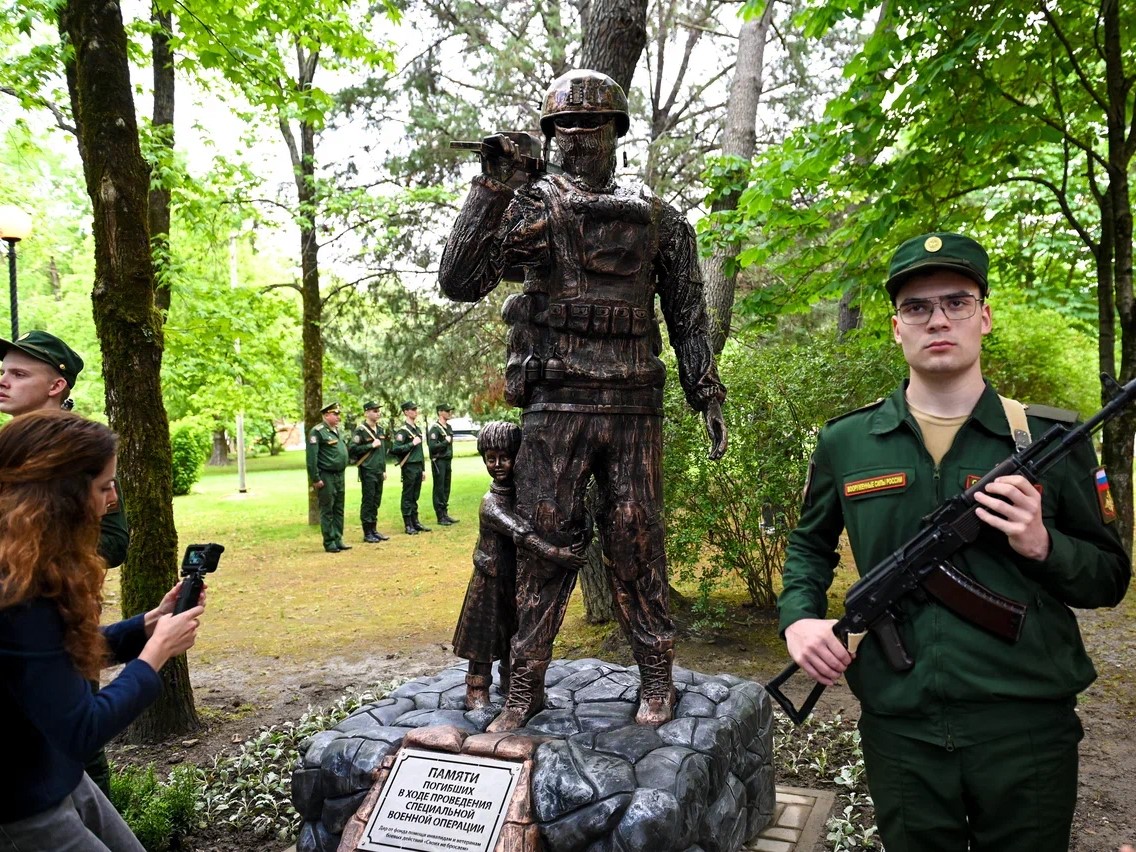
pixel 716 429
pixel 498 157
pixel 1013 505
pixel 815 648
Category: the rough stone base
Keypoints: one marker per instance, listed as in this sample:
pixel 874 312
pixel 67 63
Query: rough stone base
pixel 700 783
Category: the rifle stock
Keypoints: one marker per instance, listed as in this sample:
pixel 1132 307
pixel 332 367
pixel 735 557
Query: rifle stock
pixel 923 562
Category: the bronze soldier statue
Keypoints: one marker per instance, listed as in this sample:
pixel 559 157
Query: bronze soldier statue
pixel 583 365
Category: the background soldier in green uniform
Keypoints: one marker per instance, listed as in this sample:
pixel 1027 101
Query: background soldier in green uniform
pixel 38 372
pixel 368 450
pixel 440 439
pixel 327 459
pixel 407 446
pixel 975 747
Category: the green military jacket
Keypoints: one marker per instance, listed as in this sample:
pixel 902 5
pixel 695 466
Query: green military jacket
pixel 440 439
pixel 362 450
pixel 871 474
pixel 326 451
pixel 402 447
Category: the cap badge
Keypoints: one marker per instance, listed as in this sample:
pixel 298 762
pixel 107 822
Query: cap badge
pixel 933 244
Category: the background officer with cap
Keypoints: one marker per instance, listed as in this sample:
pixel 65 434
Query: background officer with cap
pixel 327 459
pixel 975 747
pixel 38 372
pixel 407 446
pixel 440 439
pixel 368 451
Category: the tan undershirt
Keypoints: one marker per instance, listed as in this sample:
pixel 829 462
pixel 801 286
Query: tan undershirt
pixel 938 432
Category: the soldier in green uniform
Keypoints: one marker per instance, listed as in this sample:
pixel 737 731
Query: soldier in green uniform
pixel 407 446
pixel 440 439
pixel 38 372
pixel 368 451
pixel 975 747
pixel 327 459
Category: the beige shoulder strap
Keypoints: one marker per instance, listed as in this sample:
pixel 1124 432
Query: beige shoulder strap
pixel 1016 417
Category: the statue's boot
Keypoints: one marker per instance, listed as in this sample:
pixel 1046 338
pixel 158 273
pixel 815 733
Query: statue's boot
pixel 477 683
pixel 526 696
pixel 657 692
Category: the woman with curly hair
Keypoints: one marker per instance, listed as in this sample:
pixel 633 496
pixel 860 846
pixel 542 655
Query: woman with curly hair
pixel 56 480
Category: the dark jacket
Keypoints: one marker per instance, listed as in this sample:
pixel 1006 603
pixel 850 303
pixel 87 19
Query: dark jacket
pixel 51 719
pixel 871 474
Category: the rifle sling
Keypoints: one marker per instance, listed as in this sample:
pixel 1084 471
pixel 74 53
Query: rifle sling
pixel 973 602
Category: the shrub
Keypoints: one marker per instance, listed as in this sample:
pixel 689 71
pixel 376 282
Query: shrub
pixel 1039 356
pixel 158 813
pixel 734 516
pixel 251 790
pixel 190 442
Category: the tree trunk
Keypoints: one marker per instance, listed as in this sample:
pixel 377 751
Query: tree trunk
pixel 615 33
pixel 599 608
pixel 163 58
pixel 129 328
pixel 1114 268
pixel 220 455
pixel 53 277
pixel 739 141
pixel 850 313
pixel 304 168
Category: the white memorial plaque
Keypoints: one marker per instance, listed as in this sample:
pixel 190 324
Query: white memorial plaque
pixel 438 802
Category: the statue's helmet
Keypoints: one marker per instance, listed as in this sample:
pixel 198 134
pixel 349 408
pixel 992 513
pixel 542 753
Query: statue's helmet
pixel 584 92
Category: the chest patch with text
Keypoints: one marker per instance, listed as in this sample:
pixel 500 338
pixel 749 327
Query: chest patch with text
pixel 875 484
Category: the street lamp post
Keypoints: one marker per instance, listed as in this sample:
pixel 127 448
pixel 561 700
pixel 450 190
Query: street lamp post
pixel 15 225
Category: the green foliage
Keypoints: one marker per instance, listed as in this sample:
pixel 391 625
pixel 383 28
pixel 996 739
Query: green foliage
pixel 1039 356
pixel 190 441
pixel 733 517
pixel 251 790
pixel 159 813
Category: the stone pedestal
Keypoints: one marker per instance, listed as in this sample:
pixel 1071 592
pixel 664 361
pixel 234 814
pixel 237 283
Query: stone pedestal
pixel 599 782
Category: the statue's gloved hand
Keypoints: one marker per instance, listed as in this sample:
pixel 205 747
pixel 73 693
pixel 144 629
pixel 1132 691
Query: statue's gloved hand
pixel 716 429
pixel 498 157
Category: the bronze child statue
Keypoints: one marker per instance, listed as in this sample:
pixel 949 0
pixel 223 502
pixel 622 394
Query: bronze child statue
pixel 583 365
pixel 488 617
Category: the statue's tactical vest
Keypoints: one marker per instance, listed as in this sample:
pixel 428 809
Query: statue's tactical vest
pixel 583 336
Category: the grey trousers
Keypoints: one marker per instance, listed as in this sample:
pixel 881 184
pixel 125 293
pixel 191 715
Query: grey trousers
pixel 84 821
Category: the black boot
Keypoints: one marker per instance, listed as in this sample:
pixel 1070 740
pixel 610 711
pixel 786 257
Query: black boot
pixel 410 528
pixel 450 520
pixel 378 535
pixel 369 535
pixel 418 524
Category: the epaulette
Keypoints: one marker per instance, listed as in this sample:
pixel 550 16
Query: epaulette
pixel 867 407
pixel 1061 415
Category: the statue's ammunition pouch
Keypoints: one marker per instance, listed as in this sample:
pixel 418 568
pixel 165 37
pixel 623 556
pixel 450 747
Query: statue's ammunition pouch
pixel 598 320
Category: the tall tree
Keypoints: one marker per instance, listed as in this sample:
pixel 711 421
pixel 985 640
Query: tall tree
pixel 128 324
pixel 271 51
pixel 719 272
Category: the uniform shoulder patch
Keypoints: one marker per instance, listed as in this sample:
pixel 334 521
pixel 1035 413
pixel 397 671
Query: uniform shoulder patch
pixel 1061 415
pixel 1104 495
pixel 358 439
pixel 314 439
pixel 860 410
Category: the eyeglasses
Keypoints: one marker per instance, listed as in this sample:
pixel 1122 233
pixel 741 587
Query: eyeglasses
pixel 957 307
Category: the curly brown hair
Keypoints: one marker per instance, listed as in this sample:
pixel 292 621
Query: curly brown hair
pixel 49 525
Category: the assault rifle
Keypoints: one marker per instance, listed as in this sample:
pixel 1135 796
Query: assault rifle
pixel 922 563
pixel 528 154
